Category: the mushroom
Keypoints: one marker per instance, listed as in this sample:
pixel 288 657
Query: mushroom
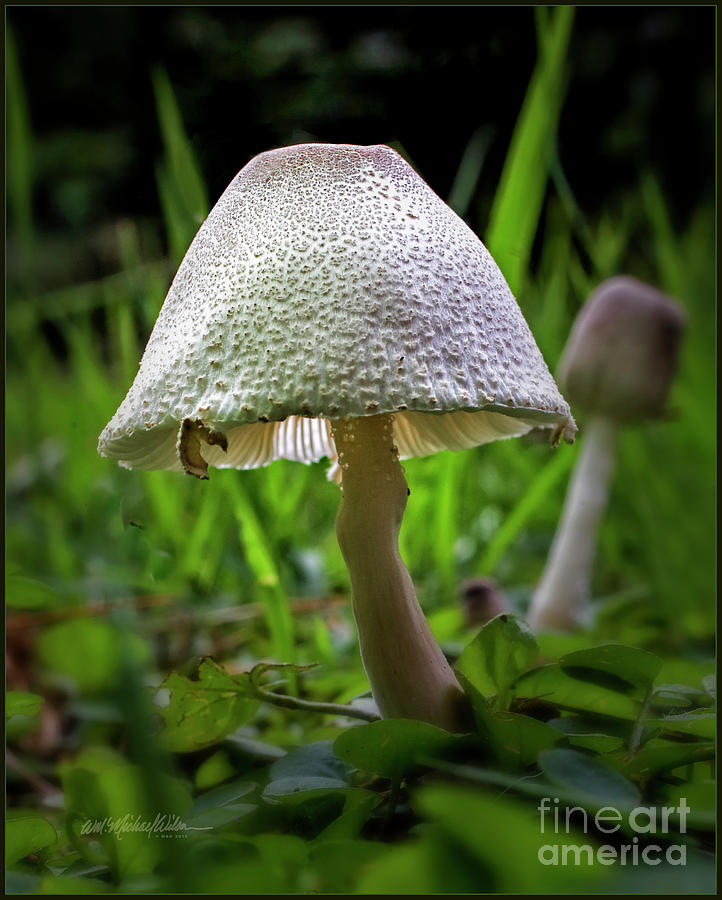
pixel 617 367
pixel 481 600
pixel 332 305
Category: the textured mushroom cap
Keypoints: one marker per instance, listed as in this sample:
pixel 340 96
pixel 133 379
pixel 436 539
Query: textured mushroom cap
pixel 330 281
pixel 622 352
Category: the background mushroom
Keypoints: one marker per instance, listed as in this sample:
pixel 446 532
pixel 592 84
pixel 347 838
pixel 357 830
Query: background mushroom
pixel 617 367
pixel 332 305
pixel 481 600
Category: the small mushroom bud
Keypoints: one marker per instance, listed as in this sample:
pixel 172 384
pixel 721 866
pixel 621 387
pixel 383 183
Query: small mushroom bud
pixel 481 600
pixel 617 367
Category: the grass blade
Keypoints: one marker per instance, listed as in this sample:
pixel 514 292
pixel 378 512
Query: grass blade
pixel 180 182
pixel 518 201
pixel 260 559
pixel 467 175
pixel 669 261
pixel 449 487
pixel 530 501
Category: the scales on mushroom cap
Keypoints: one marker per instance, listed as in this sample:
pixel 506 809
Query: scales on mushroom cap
pixel 331 281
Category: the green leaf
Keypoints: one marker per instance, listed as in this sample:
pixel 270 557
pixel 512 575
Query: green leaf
pixel 21 703
pixel 699 797
pixel 659 756
pixel 115 805
pixel 502 778
pixel 505 836
pixel 616 666
pixel 697 723
pixel 26 593
pixel 587 778
pixel 316 760
pixel 257 751
pixel 515 740
pixel 358 806
pixel 61 884
pixel 222 796
pixel 210 819
pixel 26 835
pixel 91 652
pixel 554 644
pixel 284 852
pixel 221 805
pixel 227 867
pixel 430 865
pixel 503 649
pixel 323 798
pixel 337 862
pixel 674 695
pixel 553 684
pixel 284 787
pixel 202 712
pixel 391 747
pixel 214 770
pixel 586 735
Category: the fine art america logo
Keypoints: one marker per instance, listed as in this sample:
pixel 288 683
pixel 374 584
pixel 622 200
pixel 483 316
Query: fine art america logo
pixel 161 826
pixel 644 821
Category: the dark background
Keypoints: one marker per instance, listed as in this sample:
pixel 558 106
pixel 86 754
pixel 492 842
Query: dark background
pixel 641 93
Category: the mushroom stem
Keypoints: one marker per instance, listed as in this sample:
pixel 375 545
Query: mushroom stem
pixel 564 586
pixel 407 671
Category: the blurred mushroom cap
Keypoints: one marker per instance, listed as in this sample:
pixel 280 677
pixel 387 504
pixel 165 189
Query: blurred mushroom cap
pixel 329 281
pixel 621 356
pixel 481 600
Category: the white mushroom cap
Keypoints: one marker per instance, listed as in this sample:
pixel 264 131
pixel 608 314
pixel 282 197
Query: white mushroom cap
pixel 329 281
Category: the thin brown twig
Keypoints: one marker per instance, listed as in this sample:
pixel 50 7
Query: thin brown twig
pixel 226 615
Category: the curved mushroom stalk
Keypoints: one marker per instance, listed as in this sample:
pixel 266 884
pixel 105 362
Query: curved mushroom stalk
pixel 561 596
pixel 408 673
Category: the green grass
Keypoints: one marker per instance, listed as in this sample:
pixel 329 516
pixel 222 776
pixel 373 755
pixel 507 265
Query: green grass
pixel 181 186
pixel 518 202
pixel 488 511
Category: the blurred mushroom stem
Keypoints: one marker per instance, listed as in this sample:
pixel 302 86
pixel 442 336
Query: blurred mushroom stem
pixel 564 587
pixel 408 673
